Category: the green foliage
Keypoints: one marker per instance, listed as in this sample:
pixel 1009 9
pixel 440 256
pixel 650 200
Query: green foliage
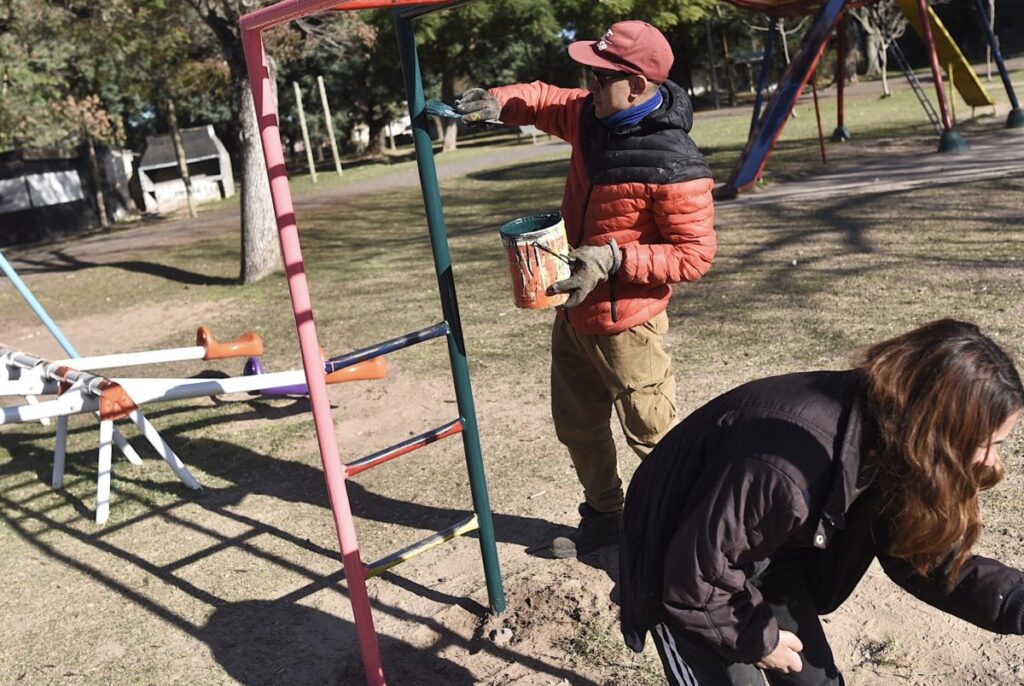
pixel 589 19
pixel 127 58
pixel 73 69
pixel 34 63
pixel 488 43
pixel 358 58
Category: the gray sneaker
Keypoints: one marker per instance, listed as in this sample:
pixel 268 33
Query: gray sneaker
pixel 596 530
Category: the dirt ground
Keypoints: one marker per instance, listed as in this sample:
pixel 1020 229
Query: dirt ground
pixel 241 582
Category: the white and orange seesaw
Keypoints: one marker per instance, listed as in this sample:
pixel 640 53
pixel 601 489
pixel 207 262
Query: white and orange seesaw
pixel 79 391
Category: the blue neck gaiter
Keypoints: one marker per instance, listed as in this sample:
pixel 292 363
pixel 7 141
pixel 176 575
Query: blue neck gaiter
pixel 634 114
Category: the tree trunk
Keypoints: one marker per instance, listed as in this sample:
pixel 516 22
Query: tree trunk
pixel 438 129
pixel 377 137
pixel 451 135
pixel 261 249
pixel 730 75
pixel 874 51
pixel 712 72
pixel 97 182
pixel 780 26
pixel 883 57
pixel 179 152
pixel 852 51
pixel 988 50
pixel 451 131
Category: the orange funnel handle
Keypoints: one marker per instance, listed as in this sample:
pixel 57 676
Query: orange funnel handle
pixel 249 344
pixel 374 368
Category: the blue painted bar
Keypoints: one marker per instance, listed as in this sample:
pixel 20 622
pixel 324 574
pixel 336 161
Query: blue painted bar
pixel 363 354
pixel 762 81
pixel 25 293
pixel 994 44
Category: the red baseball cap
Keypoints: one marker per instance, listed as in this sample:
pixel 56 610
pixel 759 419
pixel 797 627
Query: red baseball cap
pixel 632 47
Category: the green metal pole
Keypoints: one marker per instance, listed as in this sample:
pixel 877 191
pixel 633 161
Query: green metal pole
pixel 449 308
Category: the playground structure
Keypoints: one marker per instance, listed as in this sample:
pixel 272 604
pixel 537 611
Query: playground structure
pixel 78 391
pixel 766 128
pixel 405 11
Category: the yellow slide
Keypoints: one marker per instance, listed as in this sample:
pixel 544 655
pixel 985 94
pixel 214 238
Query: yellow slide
pixel 966 80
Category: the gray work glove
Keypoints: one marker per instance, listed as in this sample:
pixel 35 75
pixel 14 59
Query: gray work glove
pixel 591 264
pixel 477 105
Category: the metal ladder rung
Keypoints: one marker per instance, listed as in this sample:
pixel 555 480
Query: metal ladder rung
pixel 405 554
pixel 349 359
pixel 363 463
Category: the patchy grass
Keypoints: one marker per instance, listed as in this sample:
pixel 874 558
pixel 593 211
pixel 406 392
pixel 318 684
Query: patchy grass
pixel 886 652
pixel 594 643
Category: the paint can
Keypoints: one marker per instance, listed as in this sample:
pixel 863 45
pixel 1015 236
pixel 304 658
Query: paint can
pixel 536 249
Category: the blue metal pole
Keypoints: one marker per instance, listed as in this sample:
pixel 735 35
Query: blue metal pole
pixel 1016 117
pixel 762 81
pixel 450 308
pixel 25 293
pixel 760 145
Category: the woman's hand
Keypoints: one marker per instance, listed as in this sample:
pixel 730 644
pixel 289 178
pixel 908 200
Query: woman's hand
pixel 786 656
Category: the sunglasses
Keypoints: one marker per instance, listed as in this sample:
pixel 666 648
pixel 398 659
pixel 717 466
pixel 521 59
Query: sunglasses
pixel 602 79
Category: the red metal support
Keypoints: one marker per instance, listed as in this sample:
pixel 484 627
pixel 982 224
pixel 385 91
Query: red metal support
pixel 334 474
pixel 929 39
pixel 841 134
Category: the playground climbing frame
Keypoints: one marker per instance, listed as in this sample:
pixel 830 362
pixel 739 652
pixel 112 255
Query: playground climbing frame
pixel 405 11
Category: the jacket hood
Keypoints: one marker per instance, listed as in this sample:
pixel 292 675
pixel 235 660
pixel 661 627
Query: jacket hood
pixel 676 110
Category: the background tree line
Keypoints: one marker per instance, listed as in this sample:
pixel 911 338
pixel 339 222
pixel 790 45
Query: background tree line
pixel 77 72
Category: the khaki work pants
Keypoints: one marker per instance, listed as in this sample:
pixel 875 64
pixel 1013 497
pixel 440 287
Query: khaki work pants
pixel 590 375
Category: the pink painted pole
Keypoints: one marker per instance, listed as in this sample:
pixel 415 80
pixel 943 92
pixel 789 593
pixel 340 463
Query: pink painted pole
pixel 940 92
pixel 266 114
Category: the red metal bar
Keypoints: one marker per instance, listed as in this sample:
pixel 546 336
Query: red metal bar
pixel 940 91
pixel 364 463
pixel 287 10
pixel 312 362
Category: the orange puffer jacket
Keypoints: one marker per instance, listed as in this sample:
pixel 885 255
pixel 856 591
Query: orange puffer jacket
pixel 646 186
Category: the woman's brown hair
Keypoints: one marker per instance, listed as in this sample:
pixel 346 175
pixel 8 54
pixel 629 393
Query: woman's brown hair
pixel 935 395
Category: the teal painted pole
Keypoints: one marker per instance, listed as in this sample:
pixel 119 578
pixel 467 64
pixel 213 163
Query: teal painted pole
pixel 450 308
pixel 25 293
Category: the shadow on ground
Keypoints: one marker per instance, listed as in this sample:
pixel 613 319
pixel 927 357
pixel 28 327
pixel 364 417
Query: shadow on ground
pixel 256 641
pixel 59 261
